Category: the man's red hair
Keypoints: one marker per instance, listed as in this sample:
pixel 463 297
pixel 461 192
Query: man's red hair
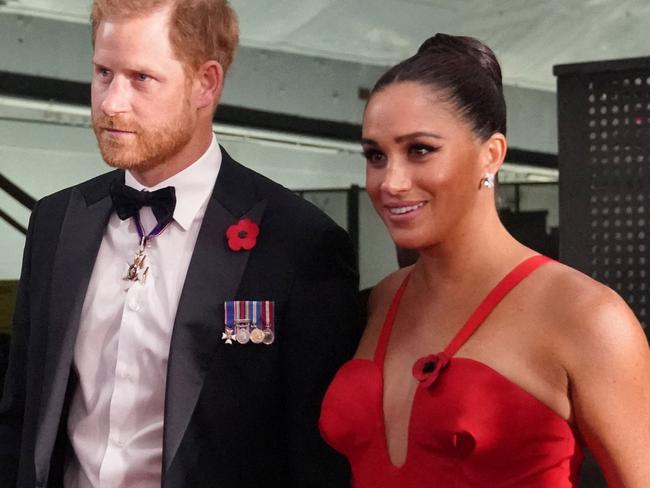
pixel 199 30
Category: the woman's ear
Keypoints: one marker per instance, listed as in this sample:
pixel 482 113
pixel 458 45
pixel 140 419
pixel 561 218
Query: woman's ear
pixel 494 152
pixel 209 84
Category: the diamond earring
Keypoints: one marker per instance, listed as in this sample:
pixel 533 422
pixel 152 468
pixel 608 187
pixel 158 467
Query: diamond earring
pixel 487 181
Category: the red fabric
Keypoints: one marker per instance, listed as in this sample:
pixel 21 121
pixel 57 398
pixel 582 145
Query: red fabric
pixel 469 426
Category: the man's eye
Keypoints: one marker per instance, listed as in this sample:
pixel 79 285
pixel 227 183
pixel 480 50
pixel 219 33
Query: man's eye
pixel 142 77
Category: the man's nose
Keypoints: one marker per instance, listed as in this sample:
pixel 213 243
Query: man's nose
pixel 116 97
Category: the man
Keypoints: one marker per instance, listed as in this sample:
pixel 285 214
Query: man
pixel 174 346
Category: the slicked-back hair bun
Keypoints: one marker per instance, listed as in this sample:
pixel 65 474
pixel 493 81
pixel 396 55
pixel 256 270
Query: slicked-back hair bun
pixel 465 72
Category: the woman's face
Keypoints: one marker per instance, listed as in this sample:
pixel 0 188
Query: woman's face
pixel 424 164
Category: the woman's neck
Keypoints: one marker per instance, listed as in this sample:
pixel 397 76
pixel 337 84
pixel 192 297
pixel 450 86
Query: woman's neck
pixel 477 250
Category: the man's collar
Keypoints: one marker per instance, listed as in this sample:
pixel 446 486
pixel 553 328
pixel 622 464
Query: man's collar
pixel 193 185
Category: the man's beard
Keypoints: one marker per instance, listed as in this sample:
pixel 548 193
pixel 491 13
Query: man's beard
pixel 147 148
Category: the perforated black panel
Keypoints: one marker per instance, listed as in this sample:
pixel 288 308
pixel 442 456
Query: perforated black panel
pixel 604 160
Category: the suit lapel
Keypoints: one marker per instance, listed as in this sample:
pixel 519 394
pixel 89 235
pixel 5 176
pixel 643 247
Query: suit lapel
pixel 213 277
pixel 79 240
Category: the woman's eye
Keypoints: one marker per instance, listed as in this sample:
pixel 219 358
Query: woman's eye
pixel 373 156
pixel 421 149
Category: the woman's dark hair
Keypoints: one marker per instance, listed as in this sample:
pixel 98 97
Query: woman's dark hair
pixel 466 71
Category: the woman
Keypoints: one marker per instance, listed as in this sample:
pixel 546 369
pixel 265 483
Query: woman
pixel 483 364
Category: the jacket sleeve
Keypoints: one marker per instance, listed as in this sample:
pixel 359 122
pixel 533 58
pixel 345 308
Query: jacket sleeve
pixel 322 315
pixel 12 405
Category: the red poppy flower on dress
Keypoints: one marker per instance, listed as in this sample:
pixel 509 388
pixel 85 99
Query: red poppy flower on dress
pixel 427 369
pixel 242 235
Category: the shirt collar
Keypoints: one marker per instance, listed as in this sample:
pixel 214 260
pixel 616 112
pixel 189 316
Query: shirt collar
pixel 193 185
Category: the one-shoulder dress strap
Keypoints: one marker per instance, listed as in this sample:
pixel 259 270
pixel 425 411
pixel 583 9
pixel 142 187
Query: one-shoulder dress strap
pixel 387 327
pixel 512 279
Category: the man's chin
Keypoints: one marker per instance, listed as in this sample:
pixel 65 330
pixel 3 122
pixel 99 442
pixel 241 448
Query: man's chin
pixel 123 161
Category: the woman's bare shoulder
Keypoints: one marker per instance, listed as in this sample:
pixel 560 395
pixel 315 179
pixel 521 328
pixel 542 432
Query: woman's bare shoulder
pixel 384 291
pixel 606 356
pixel 588 316
pixel 379 302
pixel 573 296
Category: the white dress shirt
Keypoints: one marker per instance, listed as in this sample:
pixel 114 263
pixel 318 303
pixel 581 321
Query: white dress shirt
pixel 116 416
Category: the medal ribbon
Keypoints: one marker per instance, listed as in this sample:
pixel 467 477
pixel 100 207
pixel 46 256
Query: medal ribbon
pixel 267 313
pixel 242 311
pixel 229 312
pixel 155 232
pixel 255 312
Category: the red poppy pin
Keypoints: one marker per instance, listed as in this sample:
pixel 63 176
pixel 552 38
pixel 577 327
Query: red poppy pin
pixel 427 369
pixel 242 235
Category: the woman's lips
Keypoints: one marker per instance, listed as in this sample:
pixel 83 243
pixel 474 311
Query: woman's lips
pixel 403 212
pixel 404 208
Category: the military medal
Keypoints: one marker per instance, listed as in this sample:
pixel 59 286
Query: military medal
pixel 138 269
pixel 267 321
pixel 248 321
pixel 229 320
pixel 257 335
pixel 269 336
pixel 242 322
pixel 242 335
pixel 227 336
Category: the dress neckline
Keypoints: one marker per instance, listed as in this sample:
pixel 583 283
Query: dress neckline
pixel 480 313
pixel 427 369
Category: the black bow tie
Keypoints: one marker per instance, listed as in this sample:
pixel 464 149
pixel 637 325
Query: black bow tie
pixel 128 201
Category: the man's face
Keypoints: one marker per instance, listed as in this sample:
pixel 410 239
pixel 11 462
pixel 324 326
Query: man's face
pixel 142 109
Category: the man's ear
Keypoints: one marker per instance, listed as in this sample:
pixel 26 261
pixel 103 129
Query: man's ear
pixel 208 84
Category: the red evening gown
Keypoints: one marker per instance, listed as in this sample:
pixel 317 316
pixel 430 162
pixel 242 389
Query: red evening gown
pixel 469 425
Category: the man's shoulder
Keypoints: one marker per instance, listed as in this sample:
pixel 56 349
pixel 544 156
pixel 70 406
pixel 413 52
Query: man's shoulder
pixel 49 211
pixel 283 203
pixel 92 190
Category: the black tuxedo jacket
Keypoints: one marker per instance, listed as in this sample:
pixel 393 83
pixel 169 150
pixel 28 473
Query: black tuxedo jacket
pixel 236 416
